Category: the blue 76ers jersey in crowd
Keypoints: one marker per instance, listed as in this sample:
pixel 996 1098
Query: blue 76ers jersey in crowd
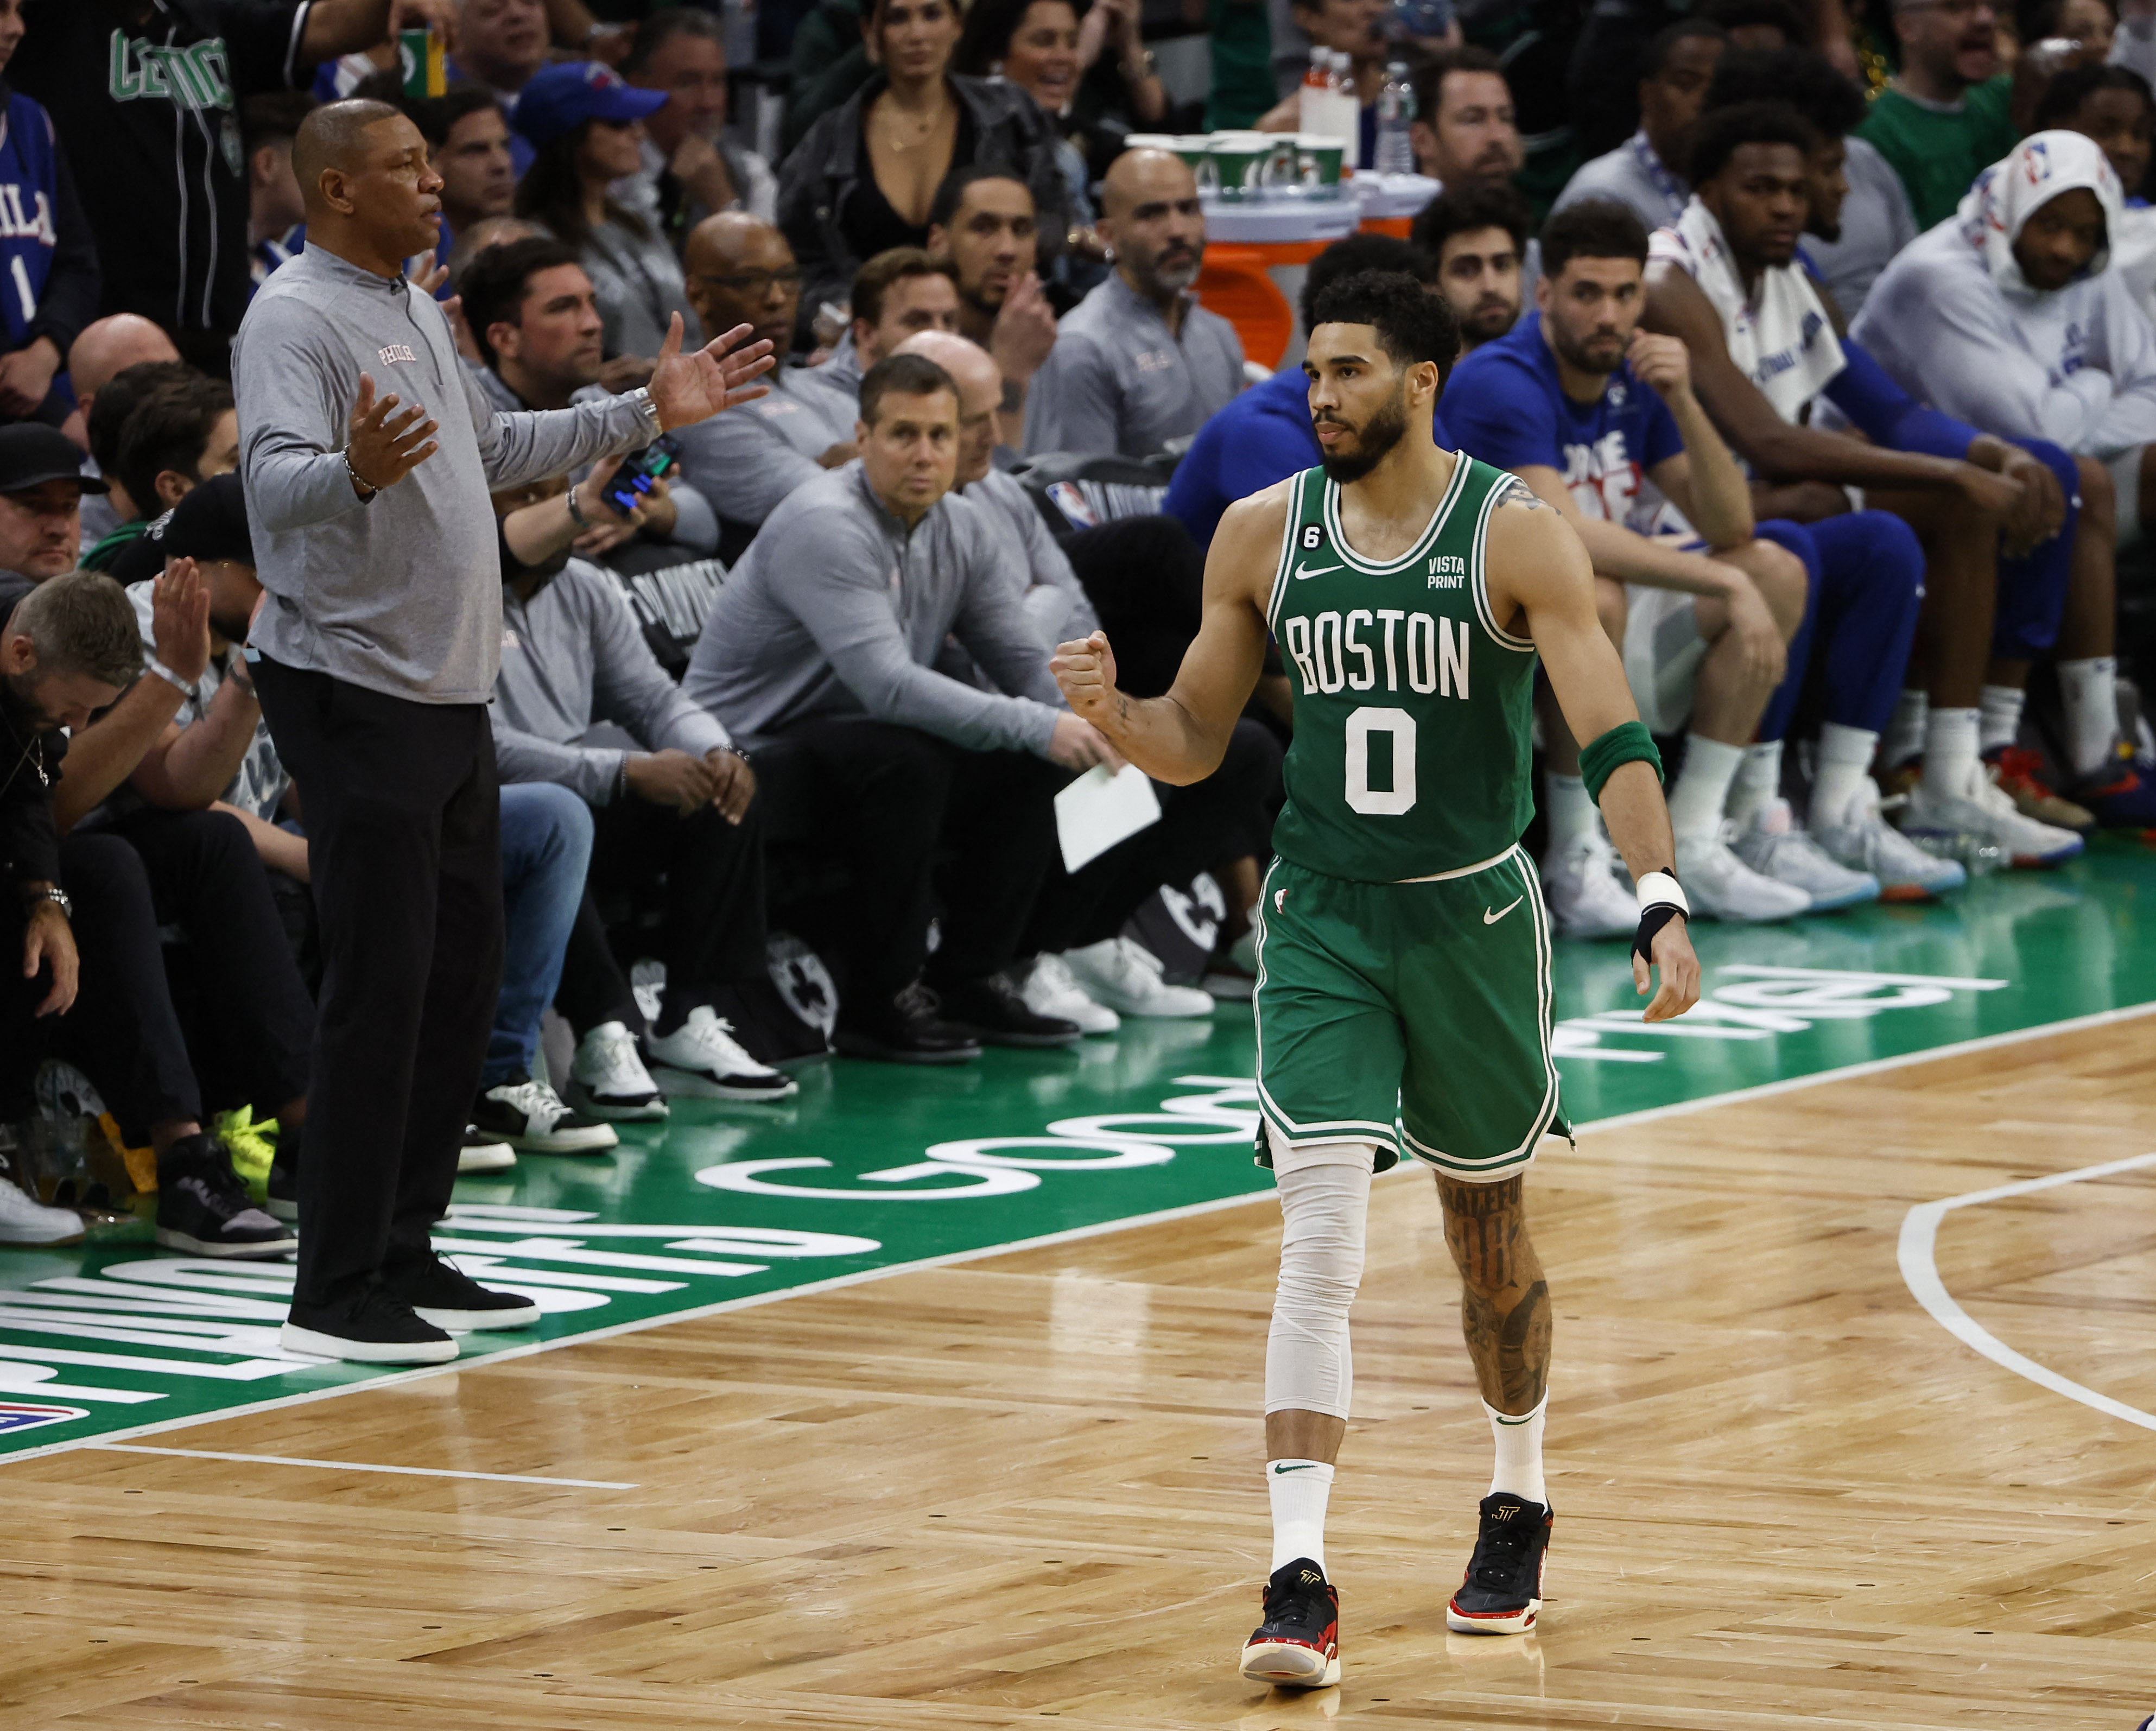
pixel 28 173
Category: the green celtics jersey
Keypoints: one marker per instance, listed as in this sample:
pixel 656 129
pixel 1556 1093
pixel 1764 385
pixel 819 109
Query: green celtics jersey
pixel 1413 704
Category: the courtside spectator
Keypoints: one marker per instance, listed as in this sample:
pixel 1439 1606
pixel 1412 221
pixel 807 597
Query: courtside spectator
pixel 587 127
pixel 982 223
pixel 134 871
pixel 741 272
pixel 690 169
pixel 67 650
pixel 2011 319
pixel 1147 579
pixel 1476 234
pixel 863 178
pixel 156 157
pixel 179 433
pixel 1266 434
pixel 41 491
pixel 218 754
pixel 1860 214
pixel 49 249
pixel 1943 118
pixel 928 786
pixel 1464 127
pixel 1085 64
pixel 681 803
pixel 1646 173
pixel 534 315
pixel 107 347
pixel 1600 420
pixel 268 125
pixel 1138 362
pixel 1762 348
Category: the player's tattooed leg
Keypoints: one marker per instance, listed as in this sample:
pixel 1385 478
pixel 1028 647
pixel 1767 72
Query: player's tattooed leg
pixel 1505 1309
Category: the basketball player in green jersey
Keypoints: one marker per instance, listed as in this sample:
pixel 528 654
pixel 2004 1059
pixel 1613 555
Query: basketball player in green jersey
pixel 1404 983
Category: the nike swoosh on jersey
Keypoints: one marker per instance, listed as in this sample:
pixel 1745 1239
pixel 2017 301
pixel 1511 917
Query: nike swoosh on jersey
pixel 1491 919
pixel 1303 571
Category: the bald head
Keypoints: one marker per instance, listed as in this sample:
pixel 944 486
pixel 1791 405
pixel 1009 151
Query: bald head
pixel 742 271
pixel 335 136
pixel 1151 216
pixel 980 385
pixel 110 346
pixel 486 234
pixel 1144 176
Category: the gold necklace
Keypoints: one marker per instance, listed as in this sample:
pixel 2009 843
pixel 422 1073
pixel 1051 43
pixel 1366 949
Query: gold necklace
pixel 926 126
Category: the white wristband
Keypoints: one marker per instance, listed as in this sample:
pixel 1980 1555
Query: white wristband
pixel 1658 889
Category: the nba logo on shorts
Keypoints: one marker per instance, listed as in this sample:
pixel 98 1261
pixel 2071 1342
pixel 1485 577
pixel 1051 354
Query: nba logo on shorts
pixel 26 1416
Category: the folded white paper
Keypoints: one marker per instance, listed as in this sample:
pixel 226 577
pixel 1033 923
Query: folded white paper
pixel 1099 810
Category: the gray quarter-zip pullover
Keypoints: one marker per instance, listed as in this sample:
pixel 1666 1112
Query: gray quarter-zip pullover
pixel 838 609
pixel 401 593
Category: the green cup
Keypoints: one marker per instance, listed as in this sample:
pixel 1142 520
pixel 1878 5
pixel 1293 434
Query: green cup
pixel 1318 159
pixel 1242 165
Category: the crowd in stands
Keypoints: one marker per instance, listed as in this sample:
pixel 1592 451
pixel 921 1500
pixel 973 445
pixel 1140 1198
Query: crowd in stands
pixel 1827 327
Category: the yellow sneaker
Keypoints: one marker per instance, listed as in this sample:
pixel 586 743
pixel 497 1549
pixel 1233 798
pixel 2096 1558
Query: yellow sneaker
pixel 253 1146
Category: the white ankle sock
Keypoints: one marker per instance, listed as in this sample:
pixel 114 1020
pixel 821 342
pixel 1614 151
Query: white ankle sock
pixel 1904 737
pixel 1950 736
pixel 1299 1490
pixel 2000 706
pixel 1759 781
pixel 1519 1452
pixel 1571 814
pixel 1842 785
pixel 1702 789
pixel 2091 691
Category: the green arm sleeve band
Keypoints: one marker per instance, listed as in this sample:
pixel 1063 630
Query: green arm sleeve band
pixel 1627 742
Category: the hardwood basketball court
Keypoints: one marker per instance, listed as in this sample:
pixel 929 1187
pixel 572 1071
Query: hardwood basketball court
pixel 1024 1487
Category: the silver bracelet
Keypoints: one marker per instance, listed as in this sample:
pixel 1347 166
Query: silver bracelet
pixel 368 488
pixel 577 515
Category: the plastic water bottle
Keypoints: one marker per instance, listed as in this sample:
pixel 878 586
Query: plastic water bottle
pixel 1396 108
pixel 1311 114
pixel 1345 109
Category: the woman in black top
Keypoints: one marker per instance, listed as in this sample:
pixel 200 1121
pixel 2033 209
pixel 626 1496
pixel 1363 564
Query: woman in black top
pixel 863 179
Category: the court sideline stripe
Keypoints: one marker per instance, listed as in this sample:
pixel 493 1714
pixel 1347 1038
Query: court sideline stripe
pixel 1917 1253
pixel 506 1478
pixel 1872 1067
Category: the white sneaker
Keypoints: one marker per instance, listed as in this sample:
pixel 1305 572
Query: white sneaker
pixel 1905 872
pixel 702 1057
pixel 1775 845
pixel 1585 898
pixel 1049 991
pixel 531 1116
pixel 1721 887
pixel 1982 809
pixel 607 1078
pixel 483 1151
pixel 24 1220
pixel 1126 977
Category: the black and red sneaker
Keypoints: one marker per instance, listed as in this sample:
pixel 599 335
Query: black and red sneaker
pixel 1502 1591
pixel 1297 1646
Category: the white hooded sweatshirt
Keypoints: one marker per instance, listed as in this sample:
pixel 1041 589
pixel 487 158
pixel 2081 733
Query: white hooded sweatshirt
pixel 1956 323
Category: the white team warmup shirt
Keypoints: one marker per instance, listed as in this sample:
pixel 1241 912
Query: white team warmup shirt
pixel 1958 326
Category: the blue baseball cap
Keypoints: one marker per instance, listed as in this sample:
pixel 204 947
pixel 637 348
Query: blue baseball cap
pixel 561 97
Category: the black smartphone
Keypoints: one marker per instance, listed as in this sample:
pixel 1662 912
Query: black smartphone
pixel 634 479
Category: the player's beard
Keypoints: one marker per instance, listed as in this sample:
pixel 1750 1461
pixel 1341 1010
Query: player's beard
pixel 1580 356
pixel 1374 441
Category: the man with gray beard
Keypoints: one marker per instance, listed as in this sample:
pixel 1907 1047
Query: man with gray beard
pixel 1138 362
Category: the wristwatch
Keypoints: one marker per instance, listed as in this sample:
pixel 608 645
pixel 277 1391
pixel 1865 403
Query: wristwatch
pixel 52 893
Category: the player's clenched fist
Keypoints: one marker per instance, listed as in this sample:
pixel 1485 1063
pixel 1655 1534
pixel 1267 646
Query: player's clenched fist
pixel 1086 672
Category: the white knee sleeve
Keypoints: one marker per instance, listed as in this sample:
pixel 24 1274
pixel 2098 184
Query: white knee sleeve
pixel 1325 1204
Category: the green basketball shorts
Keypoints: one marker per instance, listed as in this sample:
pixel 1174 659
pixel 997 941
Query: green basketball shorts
pixel 1416 1016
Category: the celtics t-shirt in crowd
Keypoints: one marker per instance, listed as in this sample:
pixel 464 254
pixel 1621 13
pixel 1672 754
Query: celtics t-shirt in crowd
pixel 146 95
pixel 1938 148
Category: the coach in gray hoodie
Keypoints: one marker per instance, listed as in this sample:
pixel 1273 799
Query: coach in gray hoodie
pixel 367 456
